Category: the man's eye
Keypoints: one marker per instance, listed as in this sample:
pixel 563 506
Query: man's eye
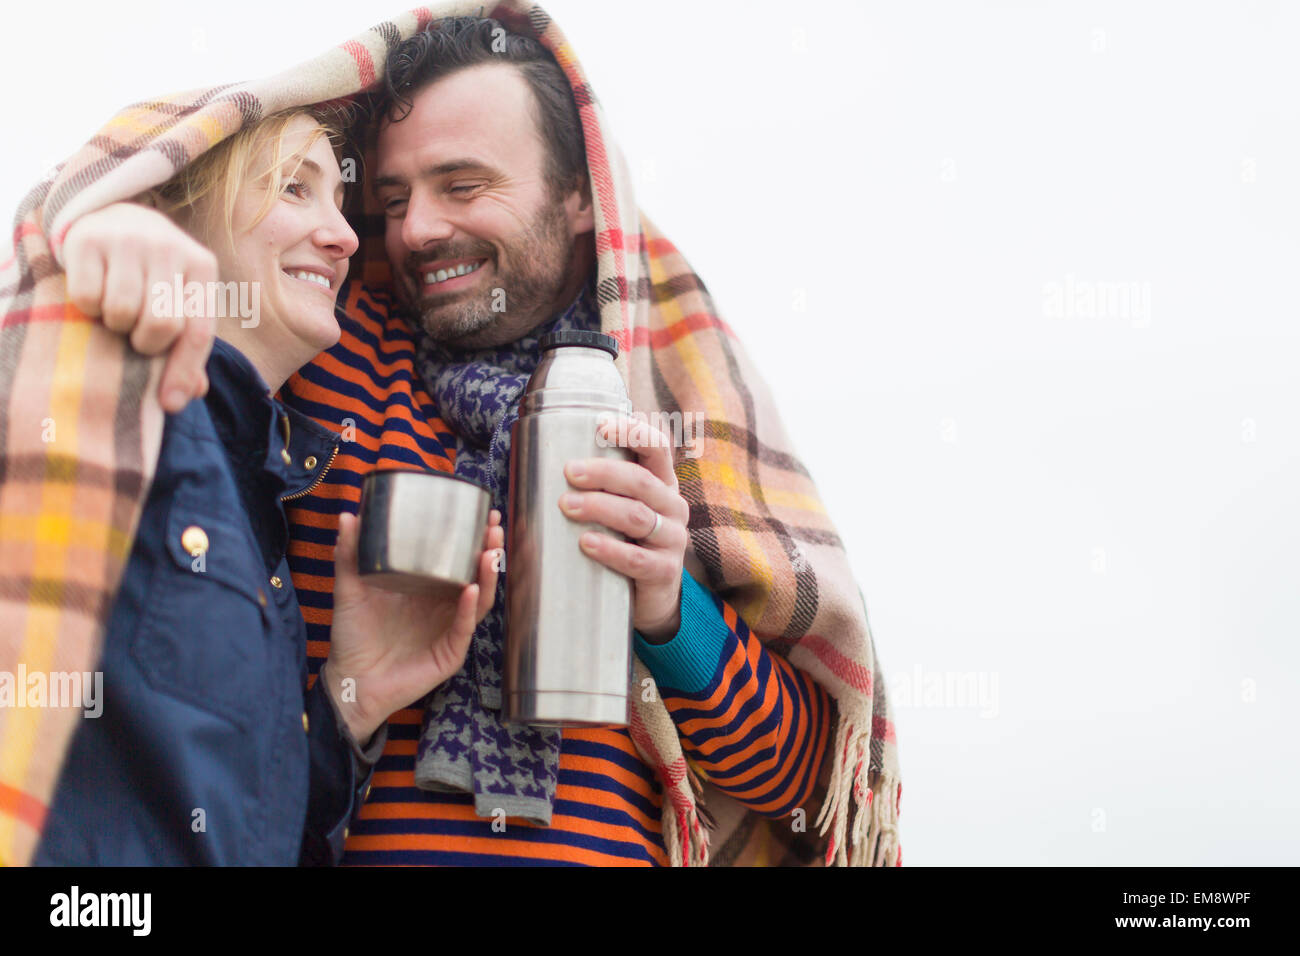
pixel 394 206
pixel 463 189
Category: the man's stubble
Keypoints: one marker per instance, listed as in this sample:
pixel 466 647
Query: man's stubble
pixel 517 302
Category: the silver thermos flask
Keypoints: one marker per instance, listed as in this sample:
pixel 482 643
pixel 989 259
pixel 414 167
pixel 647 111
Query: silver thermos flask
pixel 568 649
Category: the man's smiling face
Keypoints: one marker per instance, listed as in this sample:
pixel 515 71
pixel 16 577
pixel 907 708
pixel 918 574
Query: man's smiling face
pixel 469 211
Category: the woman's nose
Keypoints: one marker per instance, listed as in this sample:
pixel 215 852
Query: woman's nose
pixel 336 234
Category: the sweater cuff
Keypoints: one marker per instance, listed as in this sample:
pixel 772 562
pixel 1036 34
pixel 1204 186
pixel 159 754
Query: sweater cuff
pixel 689 661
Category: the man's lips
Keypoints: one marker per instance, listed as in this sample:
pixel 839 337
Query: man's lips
pixel 446 275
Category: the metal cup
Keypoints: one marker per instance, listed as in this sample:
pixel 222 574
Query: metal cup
pixel 421 530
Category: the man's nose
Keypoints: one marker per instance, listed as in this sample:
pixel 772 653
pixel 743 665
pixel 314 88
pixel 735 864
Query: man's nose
pixel 424 223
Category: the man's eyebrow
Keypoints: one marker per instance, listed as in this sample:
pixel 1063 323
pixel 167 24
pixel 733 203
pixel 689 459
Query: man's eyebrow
pixel 441 169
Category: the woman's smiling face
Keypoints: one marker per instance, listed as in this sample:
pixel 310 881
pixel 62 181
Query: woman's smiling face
pixel 297 253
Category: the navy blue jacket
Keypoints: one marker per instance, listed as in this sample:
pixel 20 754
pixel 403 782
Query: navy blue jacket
pixel 209 749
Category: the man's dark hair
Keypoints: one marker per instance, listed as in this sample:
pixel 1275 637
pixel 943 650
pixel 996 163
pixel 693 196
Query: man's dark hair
pixel 455 43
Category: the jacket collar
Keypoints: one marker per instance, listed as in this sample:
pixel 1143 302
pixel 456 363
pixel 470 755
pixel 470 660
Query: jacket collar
pixel 260 431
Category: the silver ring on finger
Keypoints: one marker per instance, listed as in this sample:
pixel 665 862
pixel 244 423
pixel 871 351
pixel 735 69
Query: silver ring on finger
pixel 659 520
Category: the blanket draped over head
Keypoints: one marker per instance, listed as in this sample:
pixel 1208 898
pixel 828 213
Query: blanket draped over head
pixel 81 426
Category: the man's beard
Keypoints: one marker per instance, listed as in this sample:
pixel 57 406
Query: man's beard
pixel 539 261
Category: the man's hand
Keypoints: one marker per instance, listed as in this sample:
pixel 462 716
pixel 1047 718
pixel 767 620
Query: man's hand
pixel 395 647
pixel 113 257
pixel 625 496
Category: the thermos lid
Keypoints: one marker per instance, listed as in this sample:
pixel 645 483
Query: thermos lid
pixel 597 340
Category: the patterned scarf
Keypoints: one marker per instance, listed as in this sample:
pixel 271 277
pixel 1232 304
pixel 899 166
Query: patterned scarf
pixel 464 744
pixel 80 429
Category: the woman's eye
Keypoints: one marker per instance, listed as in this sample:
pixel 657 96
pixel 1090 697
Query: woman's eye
pixel 296 187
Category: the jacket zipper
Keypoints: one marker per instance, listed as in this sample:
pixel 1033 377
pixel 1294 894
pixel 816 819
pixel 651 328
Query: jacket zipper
pixel 284 420
pixel 319 478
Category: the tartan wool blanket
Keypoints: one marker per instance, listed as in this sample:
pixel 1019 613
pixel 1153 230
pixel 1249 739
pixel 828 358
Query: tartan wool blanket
pixel 80 430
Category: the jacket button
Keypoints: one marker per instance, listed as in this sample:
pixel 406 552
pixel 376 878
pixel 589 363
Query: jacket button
pixel 346 831
pixel 309 462
pixel 194 540
pixel 305 725
pixel 276 582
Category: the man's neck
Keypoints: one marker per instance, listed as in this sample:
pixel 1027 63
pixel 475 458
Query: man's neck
pixel 584 260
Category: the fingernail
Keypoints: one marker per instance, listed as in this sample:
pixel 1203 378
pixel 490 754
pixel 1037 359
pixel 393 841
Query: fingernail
pixel 576 470
pixel 570 501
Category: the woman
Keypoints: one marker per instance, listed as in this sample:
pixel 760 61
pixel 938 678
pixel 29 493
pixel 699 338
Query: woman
pixel 209 750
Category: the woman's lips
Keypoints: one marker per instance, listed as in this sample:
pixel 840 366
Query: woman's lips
pixel 326 288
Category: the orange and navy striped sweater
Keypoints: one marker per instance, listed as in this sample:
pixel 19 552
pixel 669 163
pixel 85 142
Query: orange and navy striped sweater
pixel 750 723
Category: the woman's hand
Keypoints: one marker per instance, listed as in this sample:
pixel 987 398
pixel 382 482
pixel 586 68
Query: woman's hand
pixel 625 496
pixel 394 648
pixel 114 256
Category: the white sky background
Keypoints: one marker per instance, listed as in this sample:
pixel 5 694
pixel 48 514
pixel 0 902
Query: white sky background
pixel 1097 515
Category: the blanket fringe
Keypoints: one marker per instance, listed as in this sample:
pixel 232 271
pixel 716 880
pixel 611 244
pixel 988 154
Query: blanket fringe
pixel 686 840
pixel 684 836
pixel 872 837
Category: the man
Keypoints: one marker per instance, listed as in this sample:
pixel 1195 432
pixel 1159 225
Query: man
pixel 481 167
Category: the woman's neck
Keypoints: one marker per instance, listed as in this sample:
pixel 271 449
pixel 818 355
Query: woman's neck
pixel 275 360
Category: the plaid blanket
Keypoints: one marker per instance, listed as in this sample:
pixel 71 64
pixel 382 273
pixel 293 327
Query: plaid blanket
pixel 80 429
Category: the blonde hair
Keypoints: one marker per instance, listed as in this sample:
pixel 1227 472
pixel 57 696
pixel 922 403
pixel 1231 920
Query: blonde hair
pixel 222 171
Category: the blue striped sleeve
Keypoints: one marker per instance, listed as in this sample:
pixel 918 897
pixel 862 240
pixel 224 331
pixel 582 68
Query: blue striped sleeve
pixel 756 726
